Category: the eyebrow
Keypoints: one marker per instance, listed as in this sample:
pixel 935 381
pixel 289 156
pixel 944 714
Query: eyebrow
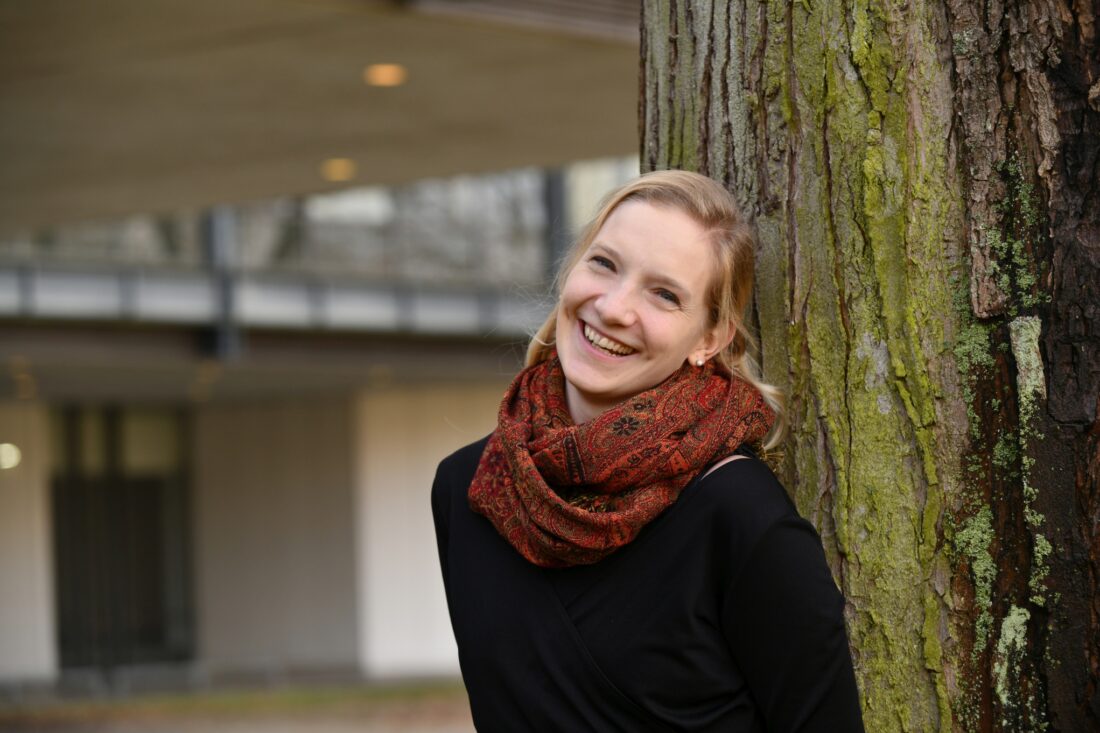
pixel 659 278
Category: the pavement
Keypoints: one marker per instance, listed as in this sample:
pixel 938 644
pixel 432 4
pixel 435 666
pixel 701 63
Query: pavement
pixel 350 710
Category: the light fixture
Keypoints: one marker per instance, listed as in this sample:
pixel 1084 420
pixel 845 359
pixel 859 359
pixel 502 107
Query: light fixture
pixel 10 456
pixel 385 75
pixel 338 169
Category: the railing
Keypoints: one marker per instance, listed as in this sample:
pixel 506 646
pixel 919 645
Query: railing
pixel 471 254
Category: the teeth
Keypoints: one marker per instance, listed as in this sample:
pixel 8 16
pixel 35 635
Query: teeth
pixel 605 343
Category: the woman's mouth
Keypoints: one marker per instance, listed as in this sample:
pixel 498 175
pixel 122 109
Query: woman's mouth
pixel 603 343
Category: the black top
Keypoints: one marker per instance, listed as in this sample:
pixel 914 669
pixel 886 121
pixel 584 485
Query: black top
pixel 720 616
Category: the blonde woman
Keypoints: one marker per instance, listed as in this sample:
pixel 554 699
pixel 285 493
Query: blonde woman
pixel 616 556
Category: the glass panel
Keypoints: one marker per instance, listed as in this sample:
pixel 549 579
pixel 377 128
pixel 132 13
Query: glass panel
pixel 488 230
pixel 121 542
pixel 469 229
pixel 172 239
pixel 59 452
pixel 93 443
pixel 150 442
pixel 587 182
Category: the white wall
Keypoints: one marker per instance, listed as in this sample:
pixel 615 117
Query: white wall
pixel 403 433
pixel 28 649
pixel 314 541
pixel 275 553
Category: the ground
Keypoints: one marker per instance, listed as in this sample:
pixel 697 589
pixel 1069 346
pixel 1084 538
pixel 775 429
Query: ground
pixel 421 708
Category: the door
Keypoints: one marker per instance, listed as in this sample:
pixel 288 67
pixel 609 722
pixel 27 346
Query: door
pixel 120 519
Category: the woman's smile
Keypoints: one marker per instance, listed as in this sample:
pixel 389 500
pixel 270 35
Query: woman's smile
pixel 635 307
pixel 604 343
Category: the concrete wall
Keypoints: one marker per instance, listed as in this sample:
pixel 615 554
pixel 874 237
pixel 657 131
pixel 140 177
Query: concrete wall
pixel 314 541
pixel 402 435
pixel 28 650
pixel 275 554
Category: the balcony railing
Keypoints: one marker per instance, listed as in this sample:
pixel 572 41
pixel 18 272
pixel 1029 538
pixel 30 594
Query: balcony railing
pixel 471 254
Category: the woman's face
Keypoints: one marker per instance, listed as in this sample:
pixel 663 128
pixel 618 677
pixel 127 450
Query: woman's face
pixel 634 308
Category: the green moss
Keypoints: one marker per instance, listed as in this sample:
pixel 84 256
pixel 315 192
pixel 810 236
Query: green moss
pixel 1040 568
pixel 1031 390
pixel 1030 382
pixel 963 42
pixel 893 216
pixel 1011 645
pixel 972 351
pixel 1005 451
pixel 973 542
pixel 1020 202
pixel 974 360
pixel 1010 245
pixel 933 647
pixel 860 243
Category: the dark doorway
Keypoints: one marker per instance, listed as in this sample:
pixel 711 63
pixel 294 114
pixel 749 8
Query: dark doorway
pixel 121 535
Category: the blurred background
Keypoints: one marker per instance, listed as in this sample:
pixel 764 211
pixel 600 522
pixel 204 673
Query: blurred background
pixel 263 263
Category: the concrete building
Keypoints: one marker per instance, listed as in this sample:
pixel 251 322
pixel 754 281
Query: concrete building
pixel 263 264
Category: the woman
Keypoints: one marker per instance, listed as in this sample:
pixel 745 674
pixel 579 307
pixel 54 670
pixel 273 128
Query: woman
pixel 615 556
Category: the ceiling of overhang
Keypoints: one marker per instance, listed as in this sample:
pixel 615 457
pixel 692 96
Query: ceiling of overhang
pixel 134 363
pixel 120 106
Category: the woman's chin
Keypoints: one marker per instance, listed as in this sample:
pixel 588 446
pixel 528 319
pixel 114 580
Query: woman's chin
pixel 588 400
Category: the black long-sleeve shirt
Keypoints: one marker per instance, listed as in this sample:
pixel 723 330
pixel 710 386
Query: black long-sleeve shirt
pixel 720 616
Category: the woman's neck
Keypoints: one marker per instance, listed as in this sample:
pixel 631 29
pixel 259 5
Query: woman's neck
pixel 581 409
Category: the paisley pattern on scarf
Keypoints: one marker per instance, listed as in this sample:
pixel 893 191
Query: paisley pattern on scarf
pixel 565 494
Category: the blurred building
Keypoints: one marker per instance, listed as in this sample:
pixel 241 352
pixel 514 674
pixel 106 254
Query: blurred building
pixel 262 264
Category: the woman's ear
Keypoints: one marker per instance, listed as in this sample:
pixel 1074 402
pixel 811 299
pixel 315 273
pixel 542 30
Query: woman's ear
pixel 714 341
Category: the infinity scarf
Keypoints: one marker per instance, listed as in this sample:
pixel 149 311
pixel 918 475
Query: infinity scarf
pixel 565 494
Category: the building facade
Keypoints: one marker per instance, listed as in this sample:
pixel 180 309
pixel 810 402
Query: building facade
pixel 227 425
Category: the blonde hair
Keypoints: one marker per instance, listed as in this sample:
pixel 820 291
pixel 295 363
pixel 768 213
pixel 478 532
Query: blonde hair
pixel 715 209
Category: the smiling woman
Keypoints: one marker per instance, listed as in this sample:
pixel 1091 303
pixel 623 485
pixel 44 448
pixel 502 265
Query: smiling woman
pixel 615 555
pixel 635 308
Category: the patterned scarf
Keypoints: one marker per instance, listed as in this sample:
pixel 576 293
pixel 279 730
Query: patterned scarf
pixel 565 494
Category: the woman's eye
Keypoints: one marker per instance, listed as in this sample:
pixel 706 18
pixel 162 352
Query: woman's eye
pixel 603 262
pixel 669 296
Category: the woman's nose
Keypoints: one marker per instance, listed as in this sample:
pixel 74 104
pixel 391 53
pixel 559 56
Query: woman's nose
pixel 617 305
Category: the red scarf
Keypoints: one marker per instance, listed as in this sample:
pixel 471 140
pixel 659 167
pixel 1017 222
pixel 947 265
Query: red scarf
pixel 565 494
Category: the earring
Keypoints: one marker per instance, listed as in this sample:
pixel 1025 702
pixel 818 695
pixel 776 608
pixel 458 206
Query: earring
pixel 699 362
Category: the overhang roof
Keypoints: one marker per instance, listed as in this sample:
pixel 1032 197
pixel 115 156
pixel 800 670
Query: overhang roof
pixel 126 106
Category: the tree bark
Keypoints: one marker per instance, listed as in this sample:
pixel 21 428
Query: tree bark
pixel 925 181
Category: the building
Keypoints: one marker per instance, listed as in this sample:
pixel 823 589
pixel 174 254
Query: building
pixel 262 265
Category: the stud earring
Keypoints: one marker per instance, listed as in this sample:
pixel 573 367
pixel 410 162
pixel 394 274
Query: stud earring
pixel 699 362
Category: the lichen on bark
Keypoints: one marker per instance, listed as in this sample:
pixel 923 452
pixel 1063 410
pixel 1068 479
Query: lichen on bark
pixel 903 169
pixel 852 236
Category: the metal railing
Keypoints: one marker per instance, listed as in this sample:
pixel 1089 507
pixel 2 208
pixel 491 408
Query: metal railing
pixel 469 254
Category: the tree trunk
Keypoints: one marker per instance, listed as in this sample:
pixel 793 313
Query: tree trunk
pixel 925 180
